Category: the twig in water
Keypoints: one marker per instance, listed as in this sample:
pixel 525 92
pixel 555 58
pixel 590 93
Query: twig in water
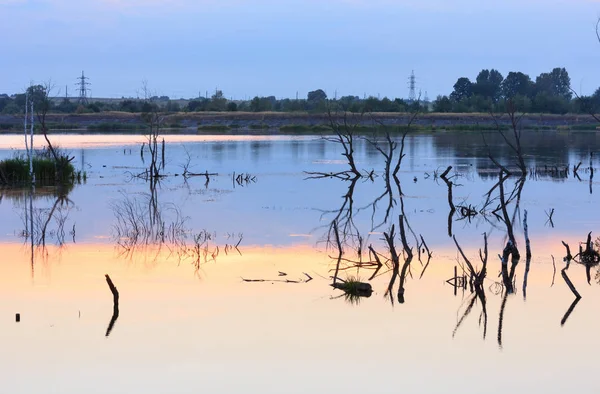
pixel 115 314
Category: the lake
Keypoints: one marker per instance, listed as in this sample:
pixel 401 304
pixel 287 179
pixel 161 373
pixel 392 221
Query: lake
pixel 225 285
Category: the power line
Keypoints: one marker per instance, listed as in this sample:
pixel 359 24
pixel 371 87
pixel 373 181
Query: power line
pixel 83 90
pixel 412 87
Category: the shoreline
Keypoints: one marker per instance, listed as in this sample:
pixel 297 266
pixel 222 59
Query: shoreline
pixel 294 123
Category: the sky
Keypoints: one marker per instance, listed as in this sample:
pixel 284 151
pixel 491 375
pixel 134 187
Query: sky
pixel 184 48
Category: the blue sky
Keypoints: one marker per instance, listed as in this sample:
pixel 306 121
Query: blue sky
pixel 266 47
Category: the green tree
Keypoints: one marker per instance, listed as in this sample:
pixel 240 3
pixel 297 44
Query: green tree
pixel 172 106
pixel 218 102
pixel 4 101
pixel 555 83
pixel 489 84
pixel 463 89
pixel 517 84
pixel 442 104
pixel 316 100
pixel 544 102
pixel 316 96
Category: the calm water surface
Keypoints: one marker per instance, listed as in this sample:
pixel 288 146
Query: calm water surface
pixel 188 322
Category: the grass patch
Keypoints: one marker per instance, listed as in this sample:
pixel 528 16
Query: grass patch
pixel 37 127
pixel 15 171
pixel 114 126
pixel 213 127
pixel 585 127
pixel 60 126
pixel 354 289
pixel 174 126
pixel 299 128
pixel 261 126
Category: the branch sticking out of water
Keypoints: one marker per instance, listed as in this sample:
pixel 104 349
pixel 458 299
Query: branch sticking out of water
pixel 115 314
pixel 450 203
pixel 527 254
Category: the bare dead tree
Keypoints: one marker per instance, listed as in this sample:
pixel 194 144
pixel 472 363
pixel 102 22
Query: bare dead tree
pixel 515 124
pixel 344 135
pixel 40 97
pixel 153 118
pixel 511 248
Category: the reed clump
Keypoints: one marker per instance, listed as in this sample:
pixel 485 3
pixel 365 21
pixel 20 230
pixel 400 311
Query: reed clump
pixel 15 171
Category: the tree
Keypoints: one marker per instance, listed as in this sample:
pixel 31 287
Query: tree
pixel 442 104
pixel 218 102
pixel 463 89
pixel 316 96
pixel 39 95
pixel 489 84
pixel 261 104
pixel 4 101
pixel 555 83
pixel 172 106
pixel 544 102
pixel 517 83
pixel 316 100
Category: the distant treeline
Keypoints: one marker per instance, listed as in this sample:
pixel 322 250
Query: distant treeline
pixel 549 93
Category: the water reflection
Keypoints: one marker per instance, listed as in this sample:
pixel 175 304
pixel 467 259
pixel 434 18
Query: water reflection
pixel 382 222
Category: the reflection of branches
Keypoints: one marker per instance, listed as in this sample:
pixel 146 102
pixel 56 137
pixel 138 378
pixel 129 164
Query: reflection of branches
pixel 511 245
pixel 478 292
pixel 140 224
pixel 344 219
pixel 36 224
pixel 567 280
pixel 569 311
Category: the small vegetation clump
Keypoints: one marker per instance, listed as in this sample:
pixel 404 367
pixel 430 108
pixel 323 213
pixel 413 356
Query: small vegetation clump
pixel 353 289
pixel 15 171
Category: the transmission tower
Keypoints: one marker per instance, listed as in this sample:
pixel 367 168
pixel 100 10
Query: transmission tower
pixel 83 90
pixel 412 87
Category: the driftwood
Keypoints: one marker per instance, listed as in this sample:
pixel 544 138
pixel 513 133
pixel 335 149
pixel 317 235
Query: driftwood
pixel 308 279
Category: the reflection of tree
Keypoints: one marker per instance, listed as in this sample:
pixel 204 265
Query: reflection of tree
pixel 43 224
pixel 146 227
pixel 477 277
pixel 141 224
pixel 342 230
